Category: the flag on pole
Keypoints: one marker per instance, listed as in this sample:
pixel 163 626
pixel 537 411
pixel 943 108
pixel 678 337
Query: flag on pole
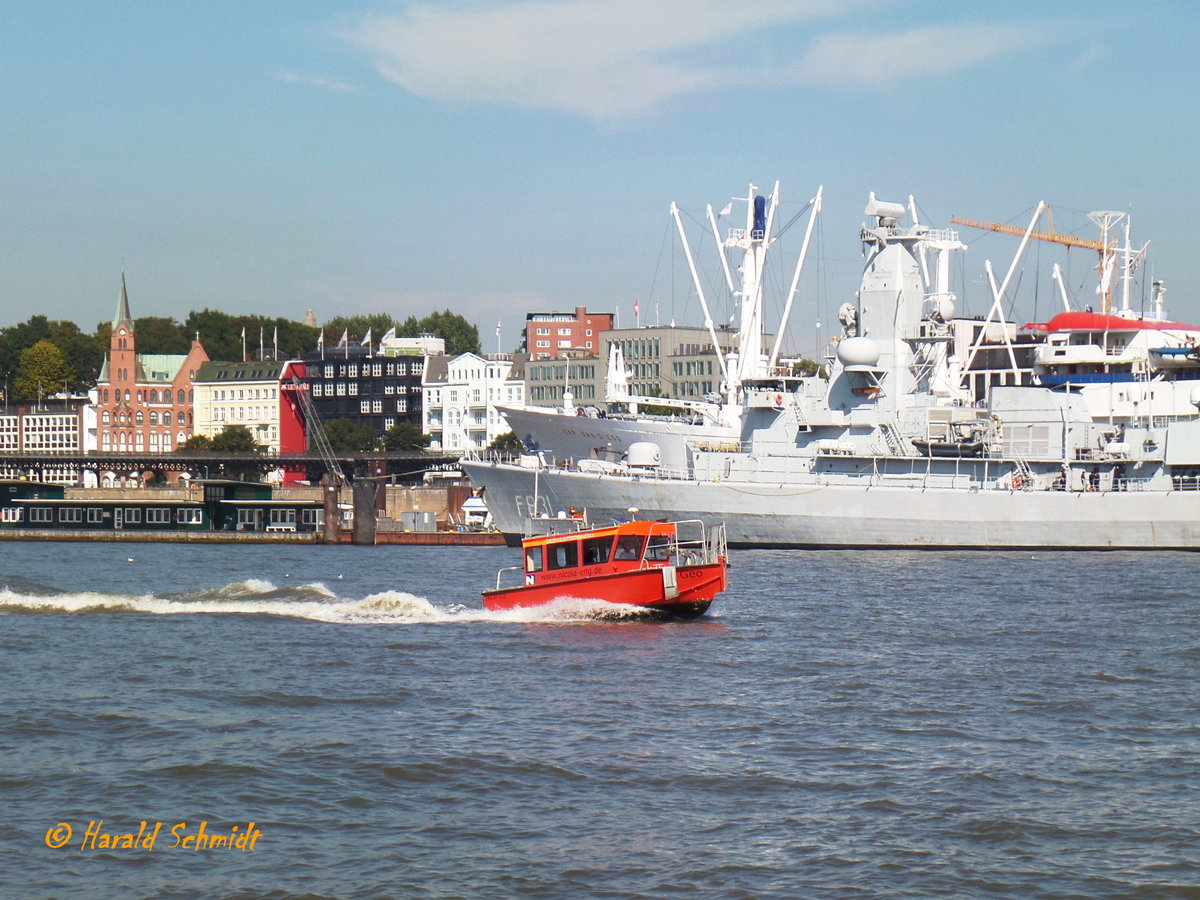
pixel 243 343
pixel 275 344
pixel 366 341
pixel 344 339
pixel 636 318
pixel 321 343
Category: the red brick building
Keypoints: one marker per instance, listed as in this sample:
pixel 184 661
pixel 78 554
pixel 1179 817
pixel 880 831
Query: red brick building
pixel 143 401
pixel 551 335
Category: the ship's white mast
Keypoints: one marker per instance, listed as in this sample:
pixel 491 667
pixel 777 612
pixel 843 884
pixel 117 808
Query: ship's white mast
pixel 787 308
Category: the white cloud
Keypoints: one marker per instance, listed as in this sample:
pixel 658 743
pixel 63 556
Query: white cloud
pixel 609 59
pixel 316 81
pixel 601 58
pixel 854 60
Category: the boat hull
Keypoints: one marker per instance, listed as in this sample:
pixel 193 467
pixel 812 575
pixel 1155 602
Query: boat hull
pixel 844 516
pixel 678 592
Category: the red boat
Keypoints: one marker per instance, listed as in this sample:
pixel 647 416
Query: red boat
pixel 671 569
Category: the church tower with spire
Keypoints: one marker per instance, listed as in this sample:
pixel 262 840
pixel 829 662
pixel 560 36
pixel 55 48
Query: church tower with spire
pixel 144 402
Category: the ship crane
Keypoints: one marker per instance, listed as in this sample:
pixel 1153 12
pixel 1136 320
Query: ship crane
pixel 1106 249
pixel 1053 236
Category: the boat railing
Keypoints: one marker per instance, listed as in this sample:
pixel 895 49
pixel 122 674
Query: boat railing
pixel 500 575
pixel 694 544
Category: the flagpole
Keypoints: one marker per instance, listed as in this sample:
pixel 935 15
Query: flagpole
pixel 243 343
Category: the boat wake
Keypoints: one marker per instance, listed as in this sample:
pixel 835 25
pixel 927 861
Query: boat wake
pixel 313 602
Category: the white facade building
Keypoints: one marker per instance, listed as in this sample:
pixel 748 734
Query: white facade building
pixel 245 394
pixel 461 396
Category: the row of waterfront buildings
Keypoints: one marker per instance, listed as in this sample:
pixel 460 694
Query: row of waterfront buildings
pixel 148 404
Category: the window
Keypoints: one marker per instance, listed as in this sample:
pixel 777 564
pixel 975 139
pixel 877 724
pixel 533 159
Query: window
pixel 10 514
pixel 354 389
pixel 533 559
pixel 562 556
pixel 190 516
pixel 70 514
pixel 364 406
pixel 153 418
pixel 179 419
pixel 41 514
pixel 329 372
pixel 180 396
pixel 133 514
pixel 376 406
pixel 596 550
pixel 353 373
pixel 95 515
pixel 629 547
pixel 158 516
pixel 564 331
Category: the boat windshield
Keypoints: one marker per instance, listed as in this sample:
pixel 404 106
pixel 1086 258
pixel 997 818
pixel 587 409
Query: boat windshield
pixel 629 547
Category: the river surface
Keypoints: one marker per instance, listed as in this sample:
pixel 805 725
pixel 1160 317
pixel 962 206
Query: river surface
pixel 841 724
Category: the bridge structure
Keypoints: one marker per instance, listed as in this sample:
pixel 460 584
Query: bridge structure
pixel 400 466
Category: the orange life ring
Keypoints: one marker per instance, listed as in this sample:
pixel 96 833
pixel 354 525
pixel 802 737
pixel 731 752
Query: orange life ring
pixel 779 399
pixel 1017 483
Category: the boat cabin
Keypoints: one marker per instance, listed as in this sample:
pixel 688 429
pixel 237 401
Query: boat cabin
pixel 600 551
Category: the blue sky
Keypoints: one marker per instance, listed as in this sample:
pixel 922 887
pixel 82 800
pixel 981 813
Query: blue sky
pixel 500 157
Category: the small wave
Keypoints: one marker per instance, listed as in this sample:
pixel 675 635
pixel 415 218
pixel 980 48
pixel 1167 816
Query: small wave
pixel 313 601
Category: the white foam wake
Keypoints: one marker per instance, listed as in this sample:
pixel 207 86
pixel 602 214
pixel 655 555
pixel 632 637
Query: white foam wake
pixel 313 601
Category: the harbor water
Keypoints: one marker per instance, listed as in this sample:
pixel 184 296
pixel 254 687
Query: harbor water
pixel 347 722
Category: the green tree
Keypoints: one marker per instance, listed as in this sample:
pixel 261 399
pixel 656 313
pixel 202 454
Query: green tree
pixel 506 443
pixel 459 334
pixel 405 436
pixel 346 436
pixel 160 334
pixel 197 443
pixel 235 438
pixel 809 367
pixel 83 353
pixel 356 328
pixel 42 370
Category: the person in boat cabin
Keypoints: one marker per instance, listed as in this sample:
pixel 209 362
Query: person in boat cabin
pixel 628 547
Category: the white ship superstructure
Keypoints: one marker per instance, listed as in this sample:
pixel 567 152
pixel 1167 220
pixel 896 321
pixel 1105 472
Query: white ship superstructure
pixel 889 452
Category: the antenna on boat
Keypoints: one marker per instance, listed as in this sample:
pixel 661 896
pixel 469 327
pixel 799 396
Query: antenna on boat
pixel 633 511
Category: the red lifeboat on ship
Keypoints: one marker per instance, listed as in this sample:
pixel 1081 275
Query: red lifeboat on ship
pixel 669 569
